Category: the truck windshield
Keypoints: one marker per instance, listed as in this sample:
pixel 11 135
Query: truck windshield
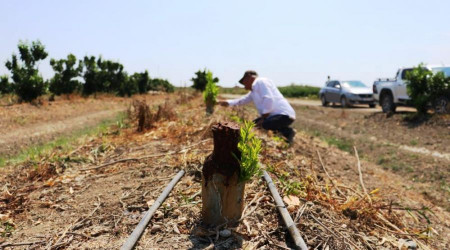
pixel 445 70
pixel 354 84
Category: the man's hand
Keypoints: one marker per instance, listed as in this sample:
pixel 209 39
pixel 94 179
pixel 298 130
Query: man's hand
pixel 223 103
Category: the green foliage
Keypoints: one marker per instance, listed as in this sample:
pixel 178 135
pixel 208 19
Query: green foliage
pixel 200 80
pixel 105 76
pixel 424 87
pixel 99 75
pixel 211 90
pixel 5 86
pixel 90 75
pixel 64 81
pixel 158 84
pixel 111 75
pixel 417 87
pixel 250 146
pixel 299 91
pixel 28 84
pixel 128 87
pixel 142 81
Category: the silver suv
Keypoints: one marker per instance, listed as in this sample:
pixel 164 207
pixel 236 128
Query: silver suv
pixel 346 93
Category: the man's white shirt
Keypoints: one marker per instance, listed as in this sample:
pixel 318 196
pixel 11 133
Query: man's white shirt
pixel 267 99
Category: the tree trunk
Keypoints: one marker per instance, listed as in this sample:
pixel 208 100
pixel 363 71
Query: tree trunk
pixel 209 107
pixel 222 193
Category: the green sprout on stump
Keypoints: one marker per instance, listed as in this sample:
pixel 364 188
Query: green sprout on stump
pixel 250 146
pixel 210 93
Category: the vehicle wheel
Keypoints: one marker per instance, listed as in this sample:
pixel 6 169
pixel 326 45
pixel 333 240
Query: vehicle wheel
pixel 387 103
pixel 372 105
pixel 324 101
pixel 344 102
pixel 442 105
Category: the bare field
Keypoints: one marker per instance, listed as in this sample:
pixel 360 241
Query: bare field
pixel 70 199
pixel 24 125
pixel 417 150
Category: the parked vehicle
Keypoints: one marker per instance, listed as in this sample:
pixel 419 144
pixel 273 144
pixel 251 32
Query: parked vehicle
pixel 391 93
pixel 346 93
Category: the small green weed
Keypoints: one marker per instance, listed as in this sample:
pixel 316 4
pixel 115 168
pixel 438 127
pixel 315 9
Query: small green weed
pixel 316 133
pixel 292 187
pixel 342 144
pixel 6 229
pixel 270 168
pixel 237 119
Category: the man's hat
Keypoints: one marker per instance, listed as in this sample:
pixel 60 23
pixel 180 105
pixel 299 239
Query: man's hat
pixel 248 73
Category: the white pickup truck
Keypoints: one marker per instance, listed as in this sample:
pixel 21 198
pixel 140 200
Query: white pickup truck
pixel 391 93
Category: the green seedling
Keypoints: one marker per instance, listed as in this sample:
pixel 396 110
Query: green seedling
pixel 211 92
pixel 250 146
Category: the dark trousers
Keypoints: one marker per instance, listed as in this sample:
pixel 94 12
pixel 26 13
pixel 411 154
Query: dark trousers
pixel 279 123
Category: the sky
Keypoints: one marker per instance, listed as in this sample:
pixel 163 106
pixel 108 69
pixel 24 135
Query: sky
pixel 299 42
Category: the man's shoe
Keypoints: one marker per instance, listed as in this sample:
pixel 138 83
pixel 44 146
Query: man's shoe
pixel 290 137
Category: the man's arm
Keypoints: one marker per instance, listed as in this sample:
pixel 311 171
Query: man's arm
pixel 240 101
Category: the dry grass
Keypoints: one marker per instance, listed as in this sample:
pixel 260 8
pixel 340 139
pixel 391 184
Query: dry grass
pixel 141 114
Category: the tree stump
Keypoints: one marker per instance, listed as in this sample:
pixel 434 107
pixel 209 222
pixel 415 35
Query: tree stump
pixel 222 193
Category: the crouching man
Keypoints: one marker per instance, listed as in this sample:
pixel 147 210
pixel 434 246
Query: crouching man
pixel 275 111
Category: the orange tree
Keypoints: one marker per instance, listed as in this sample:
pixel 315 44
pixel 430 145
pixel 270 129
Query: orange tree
pixel 66 71
pixel 28 84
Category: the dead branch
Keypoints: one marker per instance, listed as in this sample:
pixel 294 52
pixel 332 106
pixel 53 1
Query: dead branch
pixel 20 244
pixel 58 245
pixel 333 233
pixel 253 210
pixel 143 157
pixel 62 237
pixel 360 176
pixel 253 200
pixel 329 177
pixel 301 210
pixel 130 159
pixel 80 224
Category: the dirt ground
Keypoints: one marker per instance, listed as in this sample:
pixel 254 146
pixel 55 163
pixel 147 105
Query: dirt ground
pixel 73 200
pixel 418 150
pixel 22 125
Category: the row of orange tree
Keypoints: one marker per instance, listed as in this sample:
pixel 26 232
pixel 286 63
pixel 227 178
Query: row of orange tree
pixel 87 76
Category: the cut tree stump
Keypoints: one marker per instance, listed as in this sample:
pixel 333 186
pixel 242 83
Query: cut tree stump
pixel 222 193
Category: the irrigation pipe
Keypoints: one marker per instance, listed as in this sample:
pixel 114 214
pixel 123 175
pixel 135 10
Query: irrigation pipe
pixel 137 232
pixel 293 231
